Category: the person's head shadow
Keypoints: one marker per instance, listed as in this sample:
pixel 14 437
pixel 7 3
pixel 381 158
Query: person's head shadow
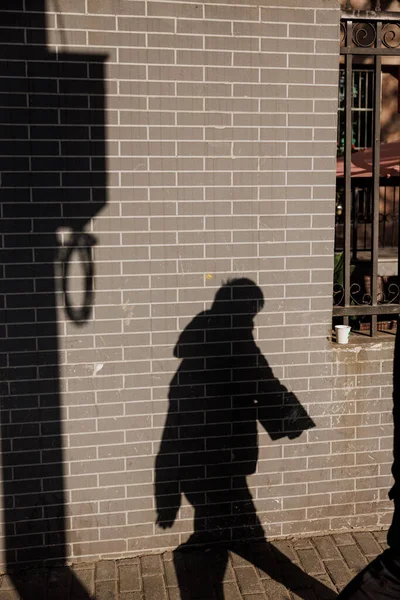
pixel 222 389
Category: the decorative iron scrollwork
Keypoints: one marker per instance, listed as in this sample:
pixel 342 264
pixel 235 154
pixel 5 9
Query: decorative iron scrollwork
pixel 386 218
pixel 338 294
pixel 342 33
pixel 364 35
pixel 364 32
pixel 358 295
pixel 389 294
pixel 390 36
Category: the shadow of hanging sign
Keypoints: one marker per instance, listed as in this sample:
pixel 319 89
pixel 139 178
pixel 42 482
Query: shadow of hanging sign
pixel 53 175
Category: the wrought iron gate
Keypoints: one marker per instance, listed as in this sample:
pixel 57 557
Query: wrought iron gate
pixel 372 34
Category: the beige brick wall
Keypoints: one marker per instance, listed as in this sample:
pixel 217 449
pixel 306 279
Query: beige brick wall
pixel 218 127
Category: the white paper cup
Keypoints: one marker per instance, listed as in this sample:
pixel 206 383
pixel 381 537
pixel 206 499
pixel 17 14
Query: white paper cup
pixel 342 333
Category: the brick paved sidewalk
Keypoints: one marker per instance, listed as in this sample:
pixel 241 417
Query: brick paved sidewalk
pixel 331 560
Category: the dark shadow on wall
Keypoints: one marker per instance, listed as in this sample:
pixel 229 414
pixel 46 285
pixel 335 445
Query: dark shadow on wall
pixel 52 163
pixel 222 389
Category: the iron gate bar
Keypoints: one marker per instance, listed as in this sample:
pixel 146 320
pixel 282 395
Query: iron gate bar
pixel 366 309
pixel 397 215
pixel 376 164
pixel 347 170
pixel 371 51
pixel 354 208
pixel 369 15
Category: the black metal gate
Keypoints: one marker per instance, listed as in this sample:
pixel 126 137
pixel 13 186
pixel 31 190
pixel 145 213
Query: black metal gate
pixel 371 35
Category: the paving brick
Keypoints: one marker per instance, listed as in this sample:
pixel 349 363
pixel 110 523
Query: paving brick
pixel 239 561
pixel 6 582
pixel 343 539
pixel 83 582
pixel 154 588
pixel 380 536
pixel 326 547
pixel 231 591
pixel 59 577
pixel 384 546
pixel 34 582
pixel 129 579
pixel 229 574
pixel 310 561
pixel 275 590
pixel 168 556
pixel 106 569
pixel 353 557
pixel 302 543
pixel 338 572
pixel 295 577
pixel 170 574
pixel 266 562
pixel 106 590
pixel 284 549
pixel 247 579
pixel 328 591
pixel 9 595
pixel 126 562
pixel 133 596
pixel 151 565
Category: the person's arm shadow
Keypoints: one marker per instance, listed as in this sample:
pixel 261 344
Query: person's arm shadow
pixel 167 486
pixel 279 411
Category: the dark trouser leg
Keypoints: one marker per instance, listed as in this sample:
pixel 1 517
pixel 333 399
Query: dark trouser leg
pixel 380 580
pixel 393 537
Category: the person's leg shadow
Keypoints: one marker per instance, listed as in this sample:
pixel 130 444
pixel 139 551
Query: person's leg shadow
pixel 205 572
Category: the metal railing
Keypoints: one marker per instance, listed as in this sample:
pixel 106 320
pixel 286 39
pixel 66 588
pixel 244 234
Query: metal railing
pixel 362 108
pixel 373 34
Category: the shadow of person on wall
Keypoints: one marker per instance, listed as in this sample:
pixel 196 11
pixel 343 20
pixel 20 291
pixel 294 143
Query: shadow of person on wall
pixel 52 163
pixel 222 389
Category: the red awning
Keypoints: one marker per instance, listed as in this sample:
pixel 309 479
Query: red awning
pixel 361 162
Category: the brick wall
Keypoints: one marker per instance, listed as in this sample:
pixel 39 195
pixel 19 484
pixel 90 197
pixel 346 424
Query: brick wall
pixel 193 143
